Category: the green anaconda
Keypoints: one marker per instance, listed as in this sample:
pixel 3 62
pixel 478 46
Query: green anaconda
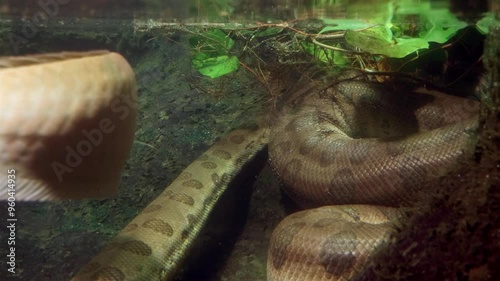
pixel 352 153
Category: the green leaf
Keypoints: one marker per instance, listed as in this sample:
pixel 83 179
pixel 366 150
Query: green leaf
pixel 440 25
pixel 325 55
pixel 211 53
pixel 371 40
pixel 339 58
pixel 405 47
pixel 220 38
pixel 321 54
pixel 216 66
pixel 379 40
pixel 483 24
pixel 344 24
pixel 213 41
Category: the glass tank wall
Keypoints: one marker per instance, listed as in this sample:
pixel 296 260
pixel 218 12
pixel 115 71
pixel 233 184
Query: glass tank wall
pixel 204 68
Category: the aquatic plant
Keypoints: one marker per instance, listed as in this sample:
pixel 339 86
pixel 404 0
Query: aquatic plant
pixel 397 32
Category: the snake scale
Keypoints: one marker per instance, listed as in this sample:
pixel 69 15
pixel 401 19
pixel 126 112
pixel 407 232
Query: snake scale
pixel 360 150
pixel 68 123
pixel 353 143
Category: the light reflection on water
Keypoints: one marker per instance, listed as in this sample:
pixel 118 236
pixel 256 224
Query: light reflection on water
pixel 223 10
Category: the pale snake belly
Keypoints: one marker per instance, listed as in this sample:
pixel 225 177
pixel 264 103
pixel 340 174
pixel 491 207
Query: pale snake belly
pixel 333 159
pixel 68 123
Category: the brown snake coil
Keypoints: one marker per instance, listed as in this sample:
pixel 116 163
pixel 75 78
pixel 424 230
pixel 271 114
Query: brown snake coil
pixel 357 143
pixel 353 143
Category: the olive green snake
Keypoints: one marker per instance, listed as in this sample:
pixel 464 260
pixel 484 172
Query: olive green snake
pixel 353 143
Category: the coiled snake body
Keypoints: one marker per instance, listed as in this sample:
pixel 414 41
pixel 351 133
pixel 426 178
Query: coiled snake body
pixel 352 143
pixel 357 143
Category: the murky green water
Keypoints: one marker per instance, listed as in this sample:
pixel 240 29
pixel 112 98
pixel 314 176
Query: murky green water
pixel 201 68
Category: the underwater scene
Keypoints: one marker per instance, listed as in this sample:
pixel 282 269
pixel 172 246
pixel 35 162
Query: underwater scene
pixel 249 140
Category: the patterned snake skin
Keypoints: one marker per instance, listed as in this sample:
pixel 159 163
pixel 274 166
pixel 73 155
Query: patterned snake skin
pixel 425 137
pixel 357 143
pixel 352 143
pixel 155 243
